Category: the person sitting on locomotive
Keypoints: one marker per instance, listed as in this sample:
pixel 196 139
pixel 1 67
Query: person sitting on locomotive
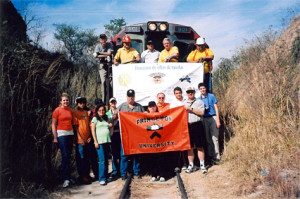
pixel 202 55
pixel 150 55
pixel 169 52
pixel 126 53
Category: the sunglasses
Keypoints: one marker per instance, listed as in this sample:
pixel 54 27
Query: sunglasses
pixel 161 98
pixel 189 92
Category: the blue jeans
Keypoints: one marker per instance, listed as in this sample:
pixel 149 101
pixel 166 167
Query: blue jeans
pixel 136 163
pixel 83 153
pixel 103 153
pixel 65 144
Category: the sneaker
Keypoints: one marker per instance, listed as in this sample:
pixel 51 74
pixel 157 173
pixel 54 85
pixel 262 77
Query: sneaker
pixel 203 170
pixel 190 169
pixel 66 184
pixel 102 183
pixel 162 179
pixel 184 168
pixel 124 177
pixel 153 179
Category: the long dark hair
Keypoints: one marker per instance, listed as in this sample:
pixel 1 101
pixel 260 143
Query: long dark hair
pixel 104 117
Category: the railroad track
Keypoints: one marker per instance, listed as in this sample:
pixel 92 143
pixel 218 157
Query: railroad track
pixel 127 192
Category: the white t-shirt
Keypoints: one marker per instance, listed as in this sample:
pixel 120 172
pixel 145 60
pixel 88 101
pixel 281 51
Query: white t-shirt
pixel 150 56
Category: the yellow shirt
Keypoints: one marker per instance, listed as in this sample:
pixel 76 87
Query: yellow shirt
pixel 196 54
pixel 126 55
pixel 166 54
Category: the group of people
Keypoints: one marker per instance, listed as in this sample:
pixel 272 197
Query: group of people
pixel 97 131
pixel 127 54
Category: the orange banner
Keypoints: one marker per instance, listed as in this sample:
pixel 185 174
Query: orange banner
pixel 155 132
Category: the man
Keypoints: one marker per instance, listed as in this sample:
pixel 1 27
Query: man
pixel 103 52
pixel 130 106
pixel 161 105
pixel 211 122
pixel 150 55
pixel 195 109
pixel 179 101
pixel 115 139
pixel 168 52
pixel 178 98
pixel 126 53
pixel 203 55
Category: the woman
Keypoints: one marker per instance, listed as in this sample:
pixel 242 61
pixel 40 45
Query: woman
pixel 63 135
pixel 158 167
pixel 101 131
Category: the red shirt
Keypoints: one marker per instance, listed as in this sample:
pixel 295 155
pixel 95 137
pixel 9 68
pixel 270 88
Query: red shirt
pixel 64 118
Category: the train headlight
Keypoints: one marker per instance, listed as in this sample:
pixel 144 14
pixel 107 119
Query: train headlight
pixel 152 26
pixel 163 27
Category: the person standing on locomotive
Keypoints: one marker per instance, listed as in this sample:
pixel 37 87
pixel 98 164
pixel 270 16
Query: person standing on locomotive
pixel 203 55
pixel 103 52
pixel 126 53
pixel 150 55
pixel 169 52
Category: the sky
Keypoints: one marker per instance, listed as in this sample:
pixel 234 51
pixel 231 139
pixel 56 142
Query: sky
pixel 225 24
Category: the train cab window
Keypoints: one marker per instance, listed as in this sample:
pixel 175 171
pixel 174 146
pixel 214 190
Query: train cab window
pixel 138 45
pixel 182 48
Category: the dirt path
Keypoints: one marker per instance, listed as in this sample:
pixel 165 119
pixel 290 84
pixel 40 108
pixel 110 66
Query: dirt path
pixel 143 188
pixel 217 183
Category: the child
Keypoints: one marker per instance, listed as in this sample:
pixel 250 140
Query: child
pixel 83 147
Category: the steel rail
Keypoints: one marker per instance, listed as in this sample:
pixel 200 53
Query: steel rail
pixel 126 187
pixel 180 184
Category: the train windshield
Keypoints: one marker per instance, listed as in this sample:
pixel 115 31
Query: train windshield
pixel 138 45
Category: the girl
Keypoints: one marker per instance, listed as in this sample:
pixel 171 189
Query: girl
pixel 158 167
pixel 63 135
pixel 101 131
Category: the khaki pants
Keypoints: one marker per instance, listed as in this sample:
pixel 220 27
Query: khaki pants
pixel 103 75
pixel 212 137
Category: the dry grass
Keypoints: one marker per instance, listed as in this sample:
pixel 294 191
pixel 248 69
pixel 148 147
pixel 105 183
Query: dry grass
pixel 260 105
pixel 31 82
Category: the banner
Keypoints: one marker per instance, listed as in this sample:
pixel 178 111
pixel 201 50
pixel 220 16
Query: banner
pixel 155 132
pixel 149 79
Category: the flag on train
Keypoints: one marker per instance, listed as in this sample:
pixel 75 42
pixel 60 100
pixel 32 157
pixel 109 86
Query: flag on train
pixel 154 132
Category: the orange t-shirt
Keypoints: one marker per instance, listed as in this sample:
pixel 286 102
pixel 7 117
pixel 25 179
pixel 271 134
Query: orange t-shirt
pixel 81 118
pixel 64 118
pixel 162 108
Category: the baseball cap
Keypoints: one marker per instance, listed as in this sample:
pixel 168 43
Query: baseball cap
pixel 103 36
pixel 98 101
pixel 130 93
pixel 190 89
pixel 80 100
pixel 112 99
pixel 149 42
pixel 151 104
